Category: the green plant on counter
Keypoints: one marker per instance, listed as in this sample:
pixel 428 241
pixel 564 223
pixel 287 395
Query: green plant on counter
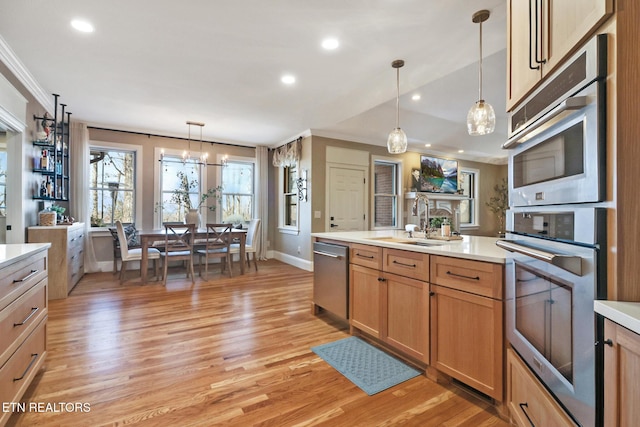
pixel 57 209
pixel 499 203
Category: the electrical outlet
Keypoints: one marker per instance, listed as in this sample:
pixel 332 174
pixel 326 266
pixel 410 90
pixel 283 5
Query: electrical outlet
pixel 299 249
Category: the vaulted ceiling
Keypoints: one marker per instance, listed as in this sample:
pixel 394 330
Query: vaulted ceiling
pixel 152 65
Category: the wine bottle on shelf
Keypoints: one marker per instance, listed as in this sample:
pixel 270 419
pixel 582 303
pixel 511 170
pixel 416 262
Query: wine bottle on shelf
pixel 44 160
pixel 43 189
pixel 49 188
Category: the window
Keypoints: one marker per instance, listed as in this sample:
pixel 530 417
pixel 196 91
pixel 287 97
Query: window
pixel 237 192
pixel 112 186
pixel 290 197
pixel 468 182
pixel 184 176
pixel 386 190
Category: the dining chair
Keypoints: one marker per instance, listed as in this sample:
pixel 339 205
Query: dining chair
pixel 178 247
pixel 251 243
pixel 217 245
pixel 127 254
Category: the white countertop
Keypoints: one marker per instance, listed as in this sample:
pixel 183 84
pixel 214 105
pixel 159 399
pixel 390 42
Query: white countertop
pixel 471 247
pixel 15 252
pixel 623 313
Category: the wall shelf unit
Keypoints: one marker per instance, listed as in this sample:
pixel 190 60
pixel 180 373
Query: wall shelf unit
pixel 51 154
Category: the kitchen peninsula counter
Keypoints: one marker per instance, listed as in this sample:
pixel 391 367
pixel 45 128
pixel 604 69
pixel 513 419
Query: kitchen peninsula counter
pixel 476 248
pixel 10 253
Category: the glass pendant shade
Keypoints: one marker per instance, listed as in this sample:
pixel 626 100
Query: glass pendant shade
pixel 397 141
pixel 481 119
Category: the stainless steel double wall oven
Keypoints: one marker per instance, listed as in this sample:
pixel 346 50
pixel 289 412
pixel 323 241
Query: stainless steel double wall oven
pixel 557 231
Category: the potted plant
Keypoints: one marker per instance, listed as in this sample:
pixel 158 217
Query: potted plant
pixel 181 196
pixel 499 203
pixel 59 210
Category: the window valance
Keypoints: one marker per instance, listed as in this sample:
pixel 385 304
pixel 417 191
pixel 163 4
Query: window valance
pixel 288 154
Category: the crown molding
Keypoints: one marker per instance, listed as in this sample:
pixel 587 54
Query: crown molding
pixel 13 63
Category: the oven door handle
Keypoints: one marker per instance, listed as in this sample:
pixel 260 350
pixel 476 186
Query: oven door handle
pixel 572 264
pixel 552 117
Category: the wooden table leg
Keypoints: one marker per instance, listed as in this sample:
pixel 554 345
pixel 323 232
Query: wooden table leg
pixel 144 261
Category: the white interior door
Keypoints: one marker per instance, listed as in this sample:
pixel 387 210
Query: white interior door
pixel 346 209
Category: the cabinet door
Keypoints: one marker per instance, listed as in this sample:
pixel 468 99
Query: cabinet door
pixel 364 299
pixel 521 51
pixel 466 338
pixel 621 373
pixel 568 23
pixel 407 316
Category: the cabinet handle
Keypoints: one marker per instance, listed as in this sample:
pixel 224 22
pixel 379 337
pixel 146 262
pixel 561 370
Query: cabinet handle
pixel 34 356
pixel 463 276
pixel 431 293
pixel 365 256
pixel 525 405
pixel 530 33
pixel 27 277
pixel 608 342
pixel 34 310
pixel 404 265
pixel 381 279
pixel 539 39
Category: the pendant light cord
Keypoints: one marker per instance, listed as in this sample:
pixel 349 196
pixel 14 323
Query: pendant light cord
pixel 480 68
pixel 397 98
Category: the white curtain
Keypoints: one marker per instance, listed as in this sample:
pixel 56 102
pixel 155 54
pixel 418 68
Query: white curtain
pixel 79 201
pixel 262 198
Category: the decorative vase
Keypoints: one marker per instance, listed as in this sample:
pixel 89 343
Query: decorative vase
pixel 193 217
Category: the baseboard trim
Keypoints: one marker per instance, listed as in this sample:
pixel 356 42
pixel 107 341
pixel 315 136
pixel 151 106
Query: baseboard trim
pixel 295 261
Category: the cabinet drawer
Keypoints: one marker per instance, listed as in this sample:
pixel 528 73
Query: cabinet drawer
pixel 16 278
pixel 476 277
pixel 366 256
pixel 406 263
pixel 20 317
pixel 529 403
pixel 75 239
pixel 19 370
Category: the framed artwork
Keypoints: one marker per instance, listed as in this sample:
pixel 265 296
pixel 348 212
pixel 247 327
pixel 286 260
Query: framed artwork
pixel 438 175
pixel 415 179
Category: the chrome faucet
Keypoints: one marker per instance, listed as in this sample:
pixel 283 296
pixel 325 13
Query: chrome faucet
pixel 416 212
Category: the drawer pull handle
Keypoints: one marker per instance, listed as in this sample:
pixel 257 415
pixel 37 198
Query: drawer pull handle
pixel 463 276
pixel 34 310
pixel 404 265
pixel 34 356
pixel 524 411
pixel 364 256
pixel 27 277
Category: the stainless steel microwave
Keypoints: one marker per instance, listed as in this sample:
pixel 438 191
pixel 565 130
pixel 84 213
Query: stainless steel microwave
pixel 558 145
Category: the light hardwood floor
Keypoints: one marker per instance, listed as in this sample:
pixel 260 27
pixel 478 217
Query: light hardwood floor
pixel 230 352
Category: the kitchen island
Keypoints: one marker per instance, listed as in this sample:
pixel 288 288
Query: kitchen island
pixel 436 303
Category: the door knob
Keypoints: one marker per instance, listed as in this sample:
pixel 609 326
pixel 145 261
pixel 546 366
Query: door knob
pixel 334 225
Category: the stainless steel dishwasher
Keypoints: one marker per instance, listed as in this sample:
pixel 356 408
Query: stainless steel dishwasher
pixel 331 278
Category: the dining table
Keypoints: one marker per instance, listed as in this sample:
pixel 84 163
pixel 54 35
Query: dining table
pixel 148 237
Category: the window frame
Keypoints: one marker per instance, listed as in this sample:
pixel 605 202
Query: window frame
pixel 159 152
pixel 399 191
pixel 137 186
pixel 238 159
pixel 282 227
pixel 475 200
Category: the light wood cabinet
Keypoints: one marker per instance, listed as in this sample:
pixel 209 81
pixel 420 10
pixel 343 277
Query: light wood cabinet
pixel 67 255
pixel 621 374
pixel 365 299
pixel 467 333
pixel 23 320
pixel 534 48
pixel 528 401
pixel 388 302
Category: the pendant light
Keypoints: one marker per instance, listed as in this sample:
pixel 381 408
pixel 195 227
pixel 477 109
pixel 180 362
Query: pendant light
pixel 397 141
pixel 481 119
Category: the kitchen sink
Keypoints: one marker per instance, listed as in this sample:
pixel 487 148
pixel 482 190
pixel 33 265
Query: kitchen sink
pixel 400 240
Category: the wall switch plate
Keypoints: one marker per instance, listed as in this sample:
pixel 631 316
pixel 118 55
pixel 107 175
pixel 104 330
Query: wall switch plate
pixel 317 214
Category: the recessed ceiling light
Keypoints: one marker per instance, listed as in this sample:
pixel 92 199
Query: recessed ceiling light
pixel 288 79
pixel 330 43
pixel 82 26
pixel 416 97
pixel 427 145
pixel 460 151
